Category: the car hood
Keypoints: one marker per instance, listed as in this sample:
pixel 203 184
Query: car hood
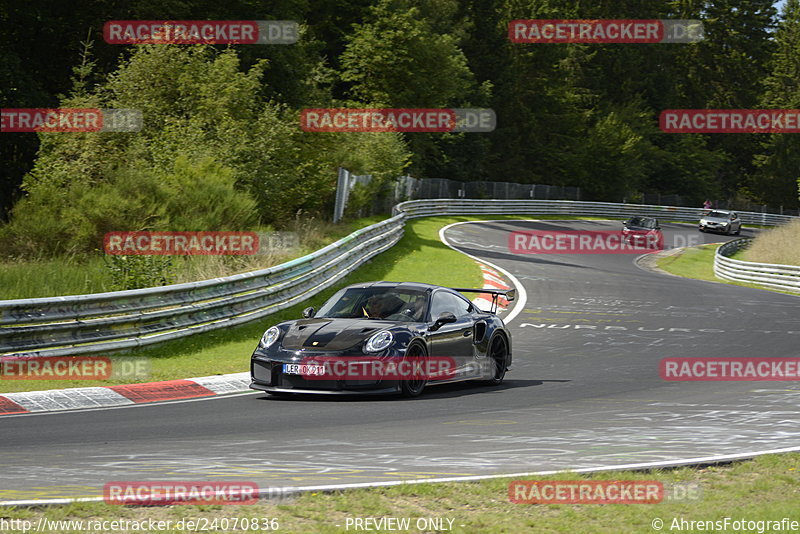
pixel 715 219
pixel 331 334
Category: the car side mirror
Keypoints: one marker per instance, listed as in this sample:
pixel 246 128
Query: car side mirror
pixel 511 295
pixel 657 227
pixel 308 313
pixel 443 319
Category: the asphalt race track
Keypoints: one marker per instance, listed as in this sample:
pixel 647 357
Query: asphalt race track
pixel 577 397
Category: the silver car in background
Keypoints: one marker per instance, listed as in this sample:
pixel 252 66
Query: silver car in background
pixel 723 221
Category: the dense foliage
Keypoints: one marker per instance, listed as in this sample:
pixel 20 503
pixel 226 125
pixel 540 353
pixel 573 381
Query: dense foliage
pixel 222 147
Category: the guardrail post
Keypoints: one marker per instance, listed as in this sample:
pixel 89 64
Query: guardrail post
pixel 342 192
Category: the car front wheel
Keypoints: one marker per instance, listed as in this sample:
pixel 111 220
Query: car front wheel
pixel 413 387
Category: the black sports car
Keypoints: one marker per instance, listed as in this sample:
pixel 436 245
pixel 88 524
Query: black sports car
pixel 382 337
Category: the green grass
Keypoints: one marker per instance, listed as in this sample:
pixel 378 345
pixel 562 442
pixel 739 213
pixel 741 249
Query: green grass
pixel 692 262
pixel 766 488
pixel 45 278
pixel 77 275
pixel 698 263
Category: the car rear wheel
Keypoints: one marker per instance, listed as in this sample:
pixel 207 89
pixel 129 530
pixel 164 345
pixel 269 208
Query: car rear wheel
pixel 413 387
pixel 498 353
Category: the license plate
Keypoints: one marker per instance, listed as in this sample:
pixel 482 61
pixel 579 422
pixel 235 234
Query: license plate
pixel 302 369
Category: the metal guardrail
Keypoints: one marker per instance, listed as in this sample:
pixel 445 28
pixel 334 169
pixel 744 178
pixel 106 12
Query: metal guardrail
pixel 424 208
pixel 104 322
pixel 785 277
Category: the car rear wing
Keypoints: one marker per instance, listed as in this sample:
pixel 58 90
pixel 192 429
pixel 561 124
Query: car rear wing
pixel 508 294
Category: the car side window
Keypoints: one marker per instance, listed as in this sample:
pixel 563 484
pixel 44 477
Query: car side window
pixel 440 304
pixel 463 306
pixel 447 302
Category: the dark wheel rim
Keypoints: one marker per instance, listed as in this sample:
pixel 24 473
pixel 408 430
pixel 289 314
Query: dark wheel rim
pixel 499 356
pixel 414 386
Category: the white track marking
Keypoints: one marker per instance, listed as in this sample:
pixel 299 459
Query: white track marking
pixel 522 295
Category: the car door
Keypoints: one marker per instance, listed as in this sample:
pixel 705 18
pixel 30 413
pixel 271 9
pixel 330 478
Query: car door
pixel 453 340
pixel 736 223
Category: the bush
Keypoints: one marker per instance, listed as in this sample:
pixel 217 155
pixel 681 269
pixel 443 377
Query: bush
pixel 135 272
pixel 212 155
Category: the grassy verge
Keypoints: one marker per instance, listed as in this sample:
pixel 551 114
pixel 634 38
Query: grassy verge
pixel 698 263
pixel 764 489
pixel 75 275
pixel 778 245
pixel 692 262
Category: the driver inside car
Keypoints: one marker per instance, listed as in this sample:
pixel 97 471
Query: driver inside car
pixel 382 306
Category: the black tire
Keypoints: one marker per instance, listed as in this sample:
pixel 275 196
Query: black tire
pixel 413 388
pixel 498 352
pixel 738 231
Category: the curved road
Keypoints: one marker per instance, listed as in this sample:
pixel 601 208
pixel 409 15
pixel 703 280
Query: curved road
pixel 585 391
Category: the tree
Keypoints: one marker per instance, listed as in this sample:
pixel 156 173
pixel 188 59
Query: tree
pixel 404 56
pixel 213 155
pixel 779 162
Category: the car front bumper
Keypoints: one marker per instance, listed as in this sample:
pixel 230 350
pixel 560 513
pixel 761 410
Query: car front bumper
pixel 267 375
pixel 377 391
pixel 714 227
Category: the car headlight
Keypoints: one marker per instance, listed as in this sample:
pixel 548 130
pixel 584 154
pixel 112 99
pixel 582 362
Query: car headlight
pixel 270 336
pixel 378 342
pixel 703 221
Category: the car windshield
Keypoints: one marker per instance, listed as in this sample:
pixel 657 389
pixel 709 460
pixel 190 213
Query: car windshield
pixel 642 222
pixel 718 214
pixel 390 303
